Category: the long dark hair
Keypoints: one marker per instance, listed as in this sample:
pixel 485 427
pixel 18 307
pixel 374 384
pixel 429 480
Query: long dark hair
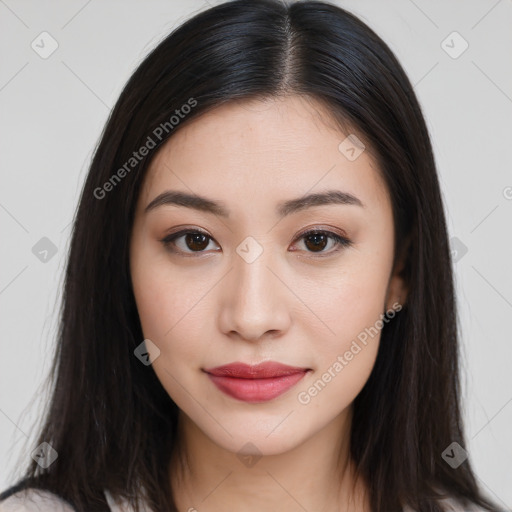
pixel 110 420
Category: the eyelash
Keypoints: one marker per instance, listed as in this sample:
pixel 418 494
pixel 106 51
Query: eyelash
pixel 340 241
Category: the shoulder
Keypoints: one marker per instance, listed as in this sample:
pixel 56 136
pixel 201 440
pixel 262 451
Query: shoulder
pixel 19 498
pixel 33 500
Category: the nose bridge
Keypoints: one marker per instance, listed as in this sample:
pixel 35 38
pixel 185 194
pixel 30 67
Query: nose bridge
pixel 252 277
pixel 254 302
pixel 253 281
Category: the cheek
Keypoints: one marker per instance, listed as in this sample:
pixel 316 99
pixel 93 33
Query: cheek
pixel 346 353
pixel 153 300
pixel 162 296
pixel 172 312
pixel 336 385
pixel 352 300
pixel 351 305
pixel 170 320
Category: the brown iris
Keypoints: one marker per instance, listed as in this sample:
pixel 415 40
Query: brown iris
pixel 319 241
pixel 196 241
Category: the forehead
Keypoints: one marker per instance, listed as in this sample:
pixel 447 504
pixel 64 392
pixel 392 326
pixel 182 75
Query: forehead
pixel 250 151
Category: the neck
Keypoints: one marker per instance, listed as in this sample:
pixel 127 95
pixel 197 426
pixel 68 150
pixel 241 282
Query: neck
pixel 315 475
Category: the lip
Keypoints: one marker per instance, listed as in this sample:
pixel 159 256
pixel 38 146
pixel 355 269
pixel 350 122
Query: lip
pixel 255 383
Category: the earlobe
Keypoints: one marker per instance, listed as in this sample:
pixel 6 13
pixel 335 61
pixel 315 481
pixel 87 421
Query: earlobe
pixel 397 293
pixel 397 288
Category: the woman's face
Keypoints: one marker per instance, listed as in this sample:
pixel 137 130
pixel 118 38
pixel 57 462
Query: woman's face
pixel 250 287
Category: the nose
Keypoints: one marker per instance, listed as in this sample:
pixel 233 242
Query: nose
pixel 254 301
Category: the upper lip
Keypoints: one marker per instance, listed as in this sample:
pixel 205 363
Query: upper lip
pixel 263 370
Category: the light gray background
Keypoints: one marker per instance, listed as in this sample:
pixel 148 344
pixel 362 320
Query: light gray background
pixel 53 111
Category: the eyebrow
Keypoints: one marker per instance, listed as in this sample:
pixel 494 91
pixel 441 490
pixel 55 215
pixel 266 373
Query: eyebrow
pixel 284 208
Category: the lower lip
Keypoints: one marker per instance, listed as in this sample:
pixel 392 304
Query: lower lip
pixel 256 390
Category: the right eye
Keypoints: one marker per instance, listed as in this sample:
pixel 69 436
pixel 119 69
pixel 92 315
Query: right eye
pixel 187 241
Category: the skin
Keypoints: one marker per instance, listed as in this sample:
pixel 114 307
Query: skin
pixel 290 305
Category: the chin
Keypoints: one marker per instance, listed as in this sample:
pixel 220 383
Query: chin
pixel 257 435
pixel 258 444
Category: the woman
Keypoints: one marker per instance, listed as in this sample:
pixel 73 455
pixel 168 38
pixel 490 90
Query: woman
pixel 259 308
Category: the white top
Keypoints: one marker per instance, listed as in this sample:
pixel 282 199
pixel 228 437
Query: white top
pixel 36 500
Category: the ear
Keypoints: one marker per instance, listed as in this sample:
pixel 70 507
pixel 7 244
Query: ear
pixel 397 287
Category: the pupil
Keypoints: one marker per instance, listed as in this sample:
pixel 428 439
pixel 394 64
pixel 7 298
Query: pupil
pixel 317 243
pixel 197 238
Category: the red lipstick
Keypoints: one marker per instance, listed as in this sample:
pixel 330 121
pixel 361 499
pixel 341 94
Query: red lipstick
pixel 258 383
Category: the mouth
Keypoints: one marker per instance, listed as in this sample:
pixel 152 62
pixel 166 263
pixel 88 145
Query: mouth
pixel 257 383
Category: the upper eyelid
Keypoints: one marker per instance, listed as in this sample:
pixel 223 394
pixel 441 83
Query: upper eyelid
pixel 340 232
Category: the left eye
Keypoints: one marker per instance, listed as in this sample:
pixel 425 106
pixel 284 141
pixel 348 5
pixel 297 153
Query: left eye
pixel 197 241
pixel 317 240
